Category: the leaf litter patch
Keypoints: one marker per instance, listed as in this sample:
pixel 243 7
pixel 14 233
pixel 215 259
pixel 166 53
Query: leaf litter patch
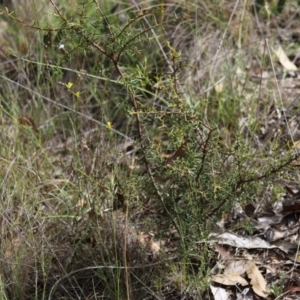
pixel 264 265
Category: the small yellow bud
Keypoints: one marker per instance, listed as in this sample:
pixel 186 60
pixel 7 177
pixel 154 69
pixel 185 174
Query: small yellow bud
pixel 69 85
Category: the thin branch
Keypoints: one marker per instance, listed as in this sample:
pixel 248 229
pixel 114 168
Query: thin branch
pixel 204 154
pixel 26 24
pixel 242 182
pixel 58 11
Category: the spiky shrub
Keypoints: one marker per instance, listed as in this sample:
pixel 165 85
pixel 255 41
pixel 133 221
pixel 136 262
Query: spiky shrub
pixel 184 169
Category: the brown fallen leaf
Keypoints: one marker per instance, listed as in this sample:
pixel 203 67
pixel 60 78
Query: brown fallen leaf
pixel 258 282
pixel 24 121
pixel 234 270
pixel 147 241
pixel 284 60
pixel 229 279
pixel 291 289
pixel 237 267
pixel 222 251
pixel 290 207
pixel 81 203
pixel 179 153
